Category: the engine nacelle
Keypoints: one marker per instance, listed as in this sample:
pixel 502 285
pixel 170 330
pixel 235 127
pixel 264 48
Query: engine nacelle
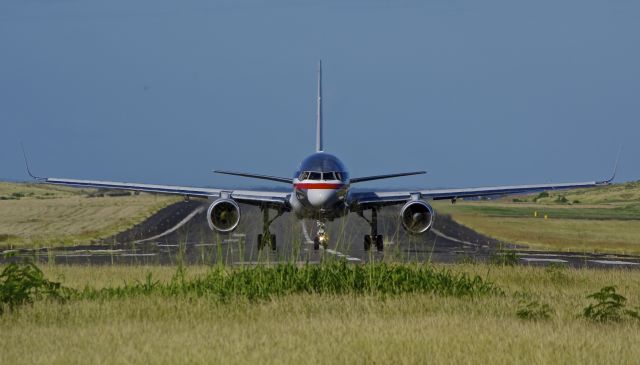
pixel 223 215
pixel 416 216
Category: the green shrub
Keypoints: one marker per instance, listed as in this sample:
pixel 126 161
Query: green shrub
pixel 543 194
pixel 336 278
pixel 609 306
pixel 23 283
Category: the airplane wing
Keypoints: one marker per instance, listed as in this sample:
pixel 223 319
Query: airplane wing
pixel 368 199
pixel 254 197
pixel 275 199
pixel 362 200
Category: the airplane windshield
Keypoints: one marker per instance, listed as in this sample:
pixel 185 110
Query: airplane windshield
pixel 315 176
pixel 328 176
pixel 312 175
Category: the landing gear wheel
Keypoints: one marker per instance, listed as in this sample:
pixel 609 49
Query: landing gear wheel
pixel 367 242
pixel 266 238
pixel 379 243
pixel 267 241
pixel 320 240
pixel 321 237
pixel 374 237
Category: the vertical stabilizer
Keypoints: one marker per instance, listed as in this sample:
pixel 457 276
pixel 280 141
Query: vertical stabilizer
pixel 319 146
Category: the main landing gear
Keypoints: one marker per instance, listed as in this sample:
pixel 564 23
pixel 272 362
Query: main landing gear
pixel 321 238
pixel 374 238
pixel 267 238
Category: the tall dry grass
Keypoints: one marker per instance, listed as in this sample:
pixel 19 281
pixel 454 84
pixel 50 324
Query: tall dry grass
pixel 328 328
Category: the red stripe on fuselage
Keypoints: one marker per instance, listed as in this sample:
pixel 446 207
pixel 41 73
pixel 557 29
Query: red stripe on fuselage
pixel 307 186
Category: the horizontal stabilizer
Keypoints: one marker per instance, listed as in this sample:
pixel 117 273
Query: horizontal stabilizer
pixel 380 177
pixel 256 176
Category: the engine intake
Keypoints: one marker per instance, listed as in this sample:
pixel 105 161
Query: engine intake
pixel 416 216
pixel 223 215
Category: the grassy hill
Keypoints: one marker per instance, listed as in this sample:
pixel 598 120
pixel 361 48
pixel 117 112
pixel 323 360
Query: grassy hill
pixel 35 215
pixel 601 219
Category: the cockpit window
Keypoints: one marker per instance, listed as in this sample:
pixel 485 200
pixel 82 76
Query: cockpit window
pixel 315 176
pixel 312 175
pixel 328 176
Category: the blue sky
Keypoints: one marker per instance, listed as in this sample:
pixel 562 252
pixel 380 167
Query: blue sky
pixel 476 93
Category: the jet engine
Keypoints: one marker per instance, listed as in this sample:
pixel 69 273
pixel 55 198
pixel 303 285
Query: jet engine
pixel 416 216
pixel 223 215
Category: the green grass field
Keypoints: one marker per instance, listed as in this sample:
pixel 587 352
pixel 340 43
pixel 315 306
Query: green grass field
pixel 603 219
pixel 154 325
pixel 35 215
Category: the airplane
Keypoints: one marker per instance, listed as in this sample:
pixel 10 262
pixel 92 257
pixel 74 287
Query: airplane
pixel 320 190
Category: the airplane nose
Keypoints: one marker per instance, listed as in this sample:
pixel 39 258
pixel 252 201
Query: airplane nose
pixel 321 198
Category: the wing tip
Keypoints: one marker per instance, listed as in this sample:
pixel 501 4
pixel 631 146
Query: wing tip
pixel 26 163
pixel 615 169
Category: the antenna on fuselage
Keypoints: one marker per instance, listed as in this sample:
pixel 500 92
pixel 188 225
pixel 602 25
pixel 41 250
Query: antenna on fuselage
pixel 319 147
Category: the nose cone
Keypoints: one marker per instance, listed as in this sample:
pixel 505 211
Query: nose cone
pixel 322 198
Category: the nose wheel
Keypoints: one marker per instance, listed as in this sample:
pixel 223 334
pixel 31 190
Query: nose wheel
pixel 321 239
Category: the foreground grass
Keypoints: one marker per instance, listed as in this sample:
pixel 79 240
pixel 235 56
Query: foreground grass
pixel 603 219
pixel 35 215
pixel 316 328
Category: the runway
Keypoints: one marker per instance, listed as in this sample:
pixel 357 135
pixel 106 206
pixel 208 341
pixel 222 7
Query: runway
pixel 180 233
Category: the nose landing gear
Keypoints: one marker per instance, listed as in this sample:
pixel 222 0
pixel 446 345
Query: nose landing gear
pixel 321 238
pixel 374 238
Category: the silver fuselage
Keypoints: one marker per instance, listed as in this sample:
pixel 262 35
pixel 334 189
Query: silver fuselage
pixel 320 188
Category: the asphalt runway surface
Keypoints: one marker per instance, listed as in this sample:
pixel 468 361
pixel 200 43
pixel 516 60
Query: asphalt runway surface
pixel 180 233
